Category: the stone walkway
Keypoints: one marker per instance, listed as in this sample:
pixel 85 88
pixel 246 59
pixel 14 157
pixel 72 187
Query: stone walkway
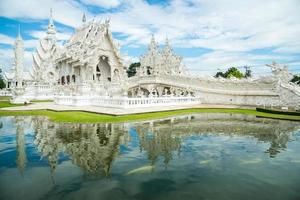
pixel 112 111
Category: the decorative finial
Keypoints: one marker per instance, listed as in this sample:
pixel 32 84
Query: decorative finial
pixel 153 44
pixel 83 18
pixel 167 41
pixel 19 33
pixel 51 18
pixel 51 28
pixel 152 38
pixel 51 13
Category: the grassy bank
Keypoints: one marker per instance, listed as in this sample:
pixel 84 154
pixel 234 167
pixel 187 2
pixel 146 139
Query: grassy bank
pixel 4 98
pixel 85 117
pixel 4 104
pixel 40 101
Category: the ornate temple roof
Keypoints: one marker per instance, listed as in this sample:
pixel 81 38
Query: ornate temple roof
pixel 87 41
pixel 44 56
pixel 9 76
pixel 163 61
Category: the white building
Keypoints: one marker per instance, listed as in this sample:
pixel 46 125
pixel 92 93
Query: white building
pixel 89 70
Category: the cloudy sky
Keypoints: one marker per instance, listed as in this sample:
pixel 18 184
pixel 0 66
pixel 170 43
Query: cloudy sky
pixel 208 34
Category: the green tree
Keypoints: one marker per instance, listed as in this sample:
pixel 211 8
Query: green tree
pixel 296 79
pixel 234 72
pixel 220 74
pixel 131 71
pixel 2 84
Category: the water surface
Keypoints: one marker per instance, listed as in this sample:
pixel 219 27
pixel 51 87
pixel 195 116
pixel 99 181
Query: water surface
pixel 199 156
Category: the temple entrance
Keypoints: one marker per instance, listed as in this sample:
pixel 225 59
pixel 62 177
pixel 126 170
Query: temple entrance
pixel 103 70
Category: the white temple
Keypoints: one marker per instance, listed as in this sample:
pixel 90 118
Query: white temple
pixel 89 71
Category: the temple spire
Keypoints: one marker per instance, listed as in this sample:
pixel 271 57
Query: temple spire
pixel 167 41
pixel 83 18
pixel 19 33
pixel 18 61
pixel 153 45
pixel 168 47
pixel 51 27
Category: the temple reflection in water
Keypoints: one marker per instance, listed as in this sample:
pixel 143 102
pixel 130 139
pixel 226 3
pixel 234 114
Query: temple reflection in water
pixel 94 147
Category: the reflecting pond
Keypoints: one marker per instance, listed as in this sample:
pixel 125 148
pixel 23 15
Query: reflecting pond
pixel 199 156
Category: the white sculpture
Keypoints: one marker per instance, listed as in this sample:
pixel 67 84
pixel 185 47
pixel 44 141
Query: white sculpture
pixel 280 71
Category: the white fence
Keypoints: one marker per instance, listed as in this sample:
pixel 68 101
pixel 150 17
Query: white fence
pixel 125 102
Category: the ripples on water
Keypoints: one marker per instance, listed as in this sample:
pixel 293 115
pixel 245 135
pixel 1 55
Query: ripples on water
pixel 205 156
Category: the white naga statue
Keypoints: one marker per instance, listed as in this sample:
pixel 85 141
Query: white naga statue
pixel 280 71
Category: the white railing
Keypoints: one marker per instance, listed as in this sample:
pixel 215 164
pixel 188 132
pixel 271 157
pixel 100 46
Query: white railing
pixel 5 92
pixel 125 102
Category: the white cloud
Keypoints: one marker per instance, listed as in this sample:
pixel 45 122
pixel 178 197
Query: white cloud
pixel 233 30
pixel 103 3
pixel 59 35
pixel 127 60
pixel 7 59
pixel 67 12
pixel 212 62
pixel 4 39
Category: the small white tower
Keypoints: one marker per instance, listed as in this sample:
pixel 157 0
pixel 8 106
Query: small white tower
pixel 18 62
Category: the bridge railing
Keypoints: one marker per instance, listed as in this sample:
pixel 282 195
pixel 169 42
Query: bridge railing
pixel 5 92
pixel 125 102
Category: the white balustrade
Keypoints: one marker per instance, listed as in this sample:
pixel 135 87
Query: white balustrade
pixel 125 102
pixel 5 92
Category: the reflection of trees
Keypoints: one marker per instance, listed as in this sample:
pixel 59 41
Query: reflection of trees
pixel 166 133
pixel 161 143
pixel 92 147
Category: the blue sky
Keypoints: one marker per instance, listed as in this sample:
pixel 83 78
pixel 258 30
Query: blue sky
pixel 208 34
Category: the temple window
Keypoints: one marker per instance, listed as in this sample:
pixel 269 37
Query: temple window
pixel 98 74
pixel 73 78
pixel 62 80
pixel 68 79
pixel 149 70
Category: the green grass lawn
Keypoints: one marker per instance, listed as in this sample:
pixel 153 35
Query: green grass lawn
pixel 4 104
pixel 40 101
pixel 4 98
pixel 85 117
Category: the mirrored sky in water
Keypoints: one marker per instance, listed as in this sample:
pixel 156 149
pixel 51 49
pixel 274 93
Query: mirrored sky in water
pixel 199 156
